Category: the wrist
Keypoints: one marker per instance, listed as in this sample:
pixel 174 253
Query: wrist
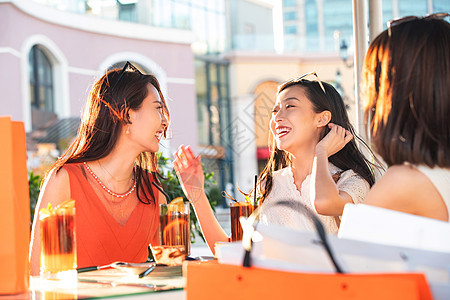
pixel 198 197
pixel 321 153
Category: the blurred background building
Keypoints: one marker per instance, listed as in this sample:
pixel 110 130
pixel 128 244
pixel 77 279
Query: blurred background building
pixel 219 63
pixel 321 25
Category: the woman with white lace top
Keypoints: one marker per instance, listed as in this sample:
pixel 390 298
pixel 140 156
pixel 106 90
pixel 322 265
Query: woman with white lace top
pixel 407 82
pixel 315 162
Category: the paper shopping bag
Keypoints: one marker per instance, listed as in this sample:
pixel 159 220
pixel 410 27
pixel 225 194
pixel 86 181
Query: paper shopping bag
pixel 14 208
pixel 211 280
pixel 389 227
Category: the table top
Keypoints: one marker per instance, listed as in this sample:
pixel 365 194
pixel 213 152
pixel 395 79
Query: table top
pixel 108 283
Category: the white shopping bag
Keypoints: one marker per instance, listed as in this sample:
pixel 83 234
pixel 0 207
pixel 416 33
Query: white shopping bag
pixel 384 226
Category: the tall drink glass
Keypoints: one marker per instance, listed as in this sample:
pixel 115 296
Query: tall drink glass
pixel 237 210
pixel 58 243
pixel 175 226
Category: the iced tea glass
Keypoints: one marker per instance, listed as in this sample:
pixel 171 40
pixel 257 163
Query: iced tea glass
pixel 237 210
pixel 58 243
pixel 175 226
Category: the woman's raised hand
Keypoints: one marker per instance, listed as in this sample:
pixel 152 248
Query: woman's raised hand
pixel 190 172
pixel 334 141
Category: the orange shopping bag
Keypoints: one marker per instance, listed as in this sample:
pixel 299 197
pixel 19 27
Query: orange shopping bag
pixel 211 280
pixel 14 208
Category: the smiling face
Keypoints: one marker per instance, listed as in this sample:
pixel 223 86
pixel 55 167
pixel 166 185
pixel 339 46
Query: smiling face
pixel 294 123
pixel 148 122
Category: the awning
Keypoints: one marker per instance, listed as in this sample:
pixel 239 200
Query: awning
pixel 262 153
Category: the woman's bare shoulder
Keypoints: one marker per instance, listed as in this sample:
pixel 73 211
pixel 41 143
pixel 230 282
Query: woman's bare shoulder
pixel 58 177
pixel 400 180
pixel 402 170
pixel 404 188
pixel 56 187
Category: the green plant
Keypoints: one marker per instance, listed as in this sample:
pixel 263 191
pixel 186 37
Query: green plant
pixel 34 185
pixel 172 186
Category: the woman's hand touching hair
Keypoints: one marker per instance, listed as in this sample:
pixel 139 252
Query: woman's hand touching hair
pixel 334 141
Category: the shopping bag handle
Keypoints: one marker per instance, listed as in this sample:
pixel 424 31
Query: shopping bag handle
pixel 253 219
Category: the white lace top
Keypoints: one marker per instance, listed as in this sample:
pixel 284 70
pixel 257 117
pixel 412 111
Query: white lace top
pixel 283 188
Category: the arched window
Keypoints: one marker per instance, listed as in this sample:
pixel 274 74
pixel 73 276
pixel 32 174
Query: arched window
pixel 41 80
pixel 41 88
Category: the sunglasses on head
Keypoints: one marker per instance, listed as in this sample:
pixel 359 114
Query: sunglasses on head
pixel 128 67
pixel 391 23
pixel 298 79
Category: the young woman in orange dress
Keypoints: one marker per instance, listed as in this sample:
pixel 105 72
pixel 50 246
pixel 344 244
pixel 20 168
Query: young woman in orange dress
pixel 109 170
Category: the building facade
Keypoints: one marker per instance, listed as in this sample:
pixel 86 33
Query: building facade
pixel 52 57
pixel 217 62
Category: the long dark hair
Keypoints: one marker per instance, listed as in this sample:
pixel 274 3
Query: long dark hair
pixel 350 157
pixel 106 112
pixel 406 77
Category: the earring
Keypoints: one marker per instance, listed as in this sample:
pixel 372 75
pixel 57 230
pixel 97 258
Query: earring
pixel 128 130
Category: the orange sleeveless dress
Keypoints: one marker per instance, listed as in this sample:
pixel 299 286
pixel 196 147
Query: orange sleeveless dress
pixel 100 239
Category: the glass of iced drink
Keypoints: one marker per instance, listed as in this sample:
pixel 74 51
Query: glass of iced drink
pixel 58 242
pixel 174 224
pixel 237 210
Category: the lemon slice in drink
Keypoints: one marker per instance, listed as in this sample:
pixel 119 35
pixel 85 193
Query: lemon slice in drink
pixel 46 211
pixel 176 205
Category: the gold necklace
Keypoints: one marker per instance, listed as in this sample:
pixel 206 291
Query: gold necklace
pixel 114 204
pixel 117 180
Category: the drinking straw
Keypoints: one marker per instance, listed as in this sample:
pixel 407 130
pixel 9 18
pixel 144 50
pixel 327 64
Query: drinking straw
pixel 226 195
pixel 256 181
pixel 162 191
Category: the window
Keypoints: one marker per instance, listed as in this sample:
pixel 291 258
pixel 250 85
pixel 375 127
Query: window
pixel 290 29
pixel 181 13
pixel 312 26
pixel 290 16
pixel 289 3
pixel 214 114
pixel 41 80
pixel 127 12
